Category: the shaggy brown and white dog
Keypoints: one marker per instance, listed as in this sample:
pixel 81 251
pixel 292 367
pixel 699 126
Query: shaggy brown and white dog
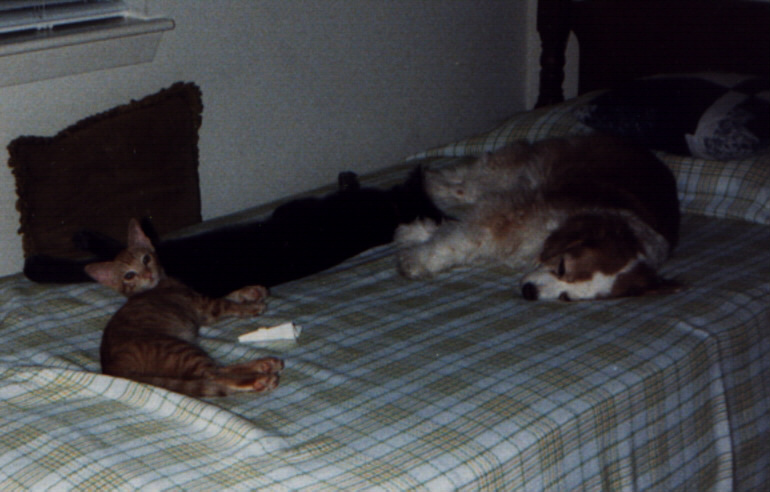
pixel 588 217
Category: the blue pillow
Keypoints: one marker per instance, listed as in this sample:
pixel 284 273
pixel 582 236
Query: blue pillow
pixel 711 116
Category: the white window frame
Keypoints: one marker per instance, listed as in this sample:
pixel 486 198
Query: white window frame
pixel 43 39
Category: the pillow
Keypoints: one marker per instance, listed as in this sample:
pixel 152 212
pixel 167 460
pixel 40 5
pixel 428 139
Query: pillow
pixel 557 120
pixel 135 160
pixel 712 116
pixel 736 189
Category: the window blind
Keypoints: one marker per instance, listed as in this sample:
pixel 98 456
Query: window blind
pixel 17 16
pixel 45 39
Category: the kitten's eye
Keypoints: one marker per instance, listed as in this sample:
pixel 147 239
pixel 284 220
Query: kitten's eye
pixel 146 260
pixel 129 276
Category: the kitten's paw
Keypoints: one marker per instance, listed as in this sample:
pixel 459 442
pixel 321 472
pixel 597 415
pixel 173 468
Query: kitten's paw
pixel 266 365
pixel 256 383
pixel 415 232
pixel 249 294
pixel 247 309
pixel 265 382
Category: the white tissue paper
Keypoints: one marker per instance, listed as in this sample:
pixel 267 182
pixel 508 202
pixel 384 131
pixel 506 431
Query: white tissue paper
pixel 284 331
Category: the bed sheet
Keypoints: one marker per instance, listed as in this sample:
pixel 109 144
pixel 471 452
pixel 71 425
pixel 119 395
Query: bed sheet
pixel 450 384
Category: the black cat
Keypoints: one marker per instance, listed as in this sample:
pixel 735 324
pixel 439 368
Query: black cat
pixel 300 238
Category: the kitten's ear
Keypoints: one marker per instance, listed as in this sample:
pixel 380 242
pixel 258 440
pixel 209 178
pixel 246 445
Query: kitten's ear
pixel 103 273
pixel 136 237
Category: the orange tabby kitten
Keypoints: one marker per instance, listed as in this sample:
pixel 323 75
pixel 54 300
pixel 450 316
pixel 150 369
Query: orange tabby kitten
pixel 151 339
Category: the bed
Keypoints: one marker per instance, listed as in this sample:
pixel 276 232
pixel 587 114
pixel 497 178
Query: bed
pixel 454 383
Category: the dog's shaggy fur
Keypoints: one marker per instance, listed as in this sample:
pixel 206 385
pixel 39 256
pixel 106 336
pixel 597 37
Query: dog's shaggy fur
pixel 586 217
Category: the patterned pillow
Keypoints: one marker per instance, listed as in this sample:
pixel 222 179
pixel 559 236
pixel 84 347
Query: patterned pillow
pixel 713 116
pixel 736 189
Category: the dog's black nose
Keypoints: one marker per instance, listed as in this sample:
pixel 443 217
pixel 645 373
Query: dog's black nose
pixel 529 291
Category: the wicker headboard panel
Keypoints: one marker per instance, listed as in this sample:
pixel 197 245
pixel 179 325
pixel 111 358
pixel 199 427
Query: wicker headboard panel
pixel 624 39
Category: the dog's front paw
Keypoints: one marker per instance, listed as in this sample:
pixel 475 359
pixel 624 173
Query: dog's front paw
pixel 411 264
pixel 415 232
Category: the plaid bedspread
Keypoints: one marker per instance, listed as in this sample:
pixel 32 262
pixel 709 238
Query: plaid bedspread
pixel 450 384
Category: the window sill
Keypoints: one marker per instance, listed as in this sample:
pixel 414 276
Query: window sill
pixel 128 41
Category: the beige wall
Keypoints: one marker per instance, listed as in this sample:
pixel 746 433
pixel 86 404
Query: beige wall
pixel 296 91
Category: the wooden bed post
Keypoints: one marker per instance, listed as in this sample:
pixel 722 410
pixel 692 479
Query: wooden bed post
pixel 553 24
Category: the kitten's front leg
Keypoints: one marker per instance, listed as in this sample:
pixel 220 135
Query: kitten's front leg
pixel 242 309
pixel 251 293
pixel 242 303
pixel 247 301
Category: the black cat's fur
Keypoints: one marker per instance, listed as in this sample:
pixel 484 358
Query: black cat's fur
pixel 300 238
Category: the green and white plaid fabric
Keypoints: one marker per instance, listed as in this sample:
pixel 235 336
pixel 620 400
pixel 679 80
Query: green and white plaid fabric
pixel 450 384
pixel 738 189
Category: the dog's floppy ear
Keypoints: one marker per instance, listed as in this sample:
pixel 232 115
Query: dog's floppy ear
pixel 594 230
pixel 566 237
pixel 575 232
pixel 557 246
